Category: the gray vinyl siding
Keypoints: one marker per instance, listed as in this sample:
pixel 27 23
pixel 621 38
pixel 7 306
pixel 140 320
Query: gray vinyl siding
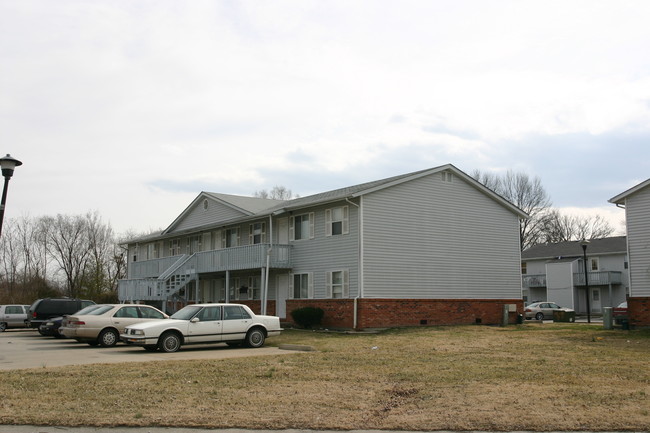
pixel 197 216
pixel 324 254
pixel 638 239
pixel 432 239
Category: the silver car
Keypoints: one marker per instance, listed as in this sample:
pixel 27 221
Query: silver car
pixel 13 316
pixel 543 310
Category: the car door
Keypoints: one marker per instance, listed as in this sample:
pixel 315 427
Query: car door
pixel 206 326
pixel 236 322
pixel 14 315
pixel 124 317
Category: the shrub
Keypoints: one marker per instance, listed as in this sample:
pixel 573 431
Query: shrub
pixel 308 316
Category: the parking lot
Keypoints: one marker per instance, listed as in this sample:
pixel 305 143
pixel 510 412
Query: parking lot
pixel 26 348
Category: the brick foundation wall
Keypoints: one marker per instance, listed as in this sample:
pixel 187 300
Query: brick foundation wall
pixel 256 306
pixel 638 310
pixel 384 313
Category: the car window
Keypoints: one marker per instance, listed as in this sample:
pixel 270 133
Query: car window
pixel 234 312
pixel 13 309
pixel 209 314
pixel 85 304
pixel 554 305
pixel 150 313
pixel 127 312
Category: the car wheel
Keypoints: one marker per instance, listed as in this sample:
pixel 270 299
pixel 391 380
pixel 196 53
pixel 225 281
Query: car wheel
pixel 539 316
pixel 3 326
pixel 150 347
pixel 108 338
pixel 169 342
pixel 255 338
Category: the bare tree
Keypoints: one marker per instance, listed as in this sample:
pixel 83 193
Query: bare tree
pixel 527 194
pixel 67 244
pixel 560 227
pixel 277 193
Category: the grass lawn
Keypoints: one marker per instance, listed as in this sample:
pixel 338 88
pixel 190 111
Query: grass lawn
pixel 525 377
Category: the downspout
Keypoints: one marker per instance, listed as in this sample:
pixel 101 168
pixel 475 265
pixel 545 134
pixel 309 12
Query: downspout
pixel 355 317
pixel 265 293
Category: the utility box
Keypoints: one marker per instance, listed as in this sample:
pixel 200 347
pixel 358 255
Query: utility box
pixel 564 316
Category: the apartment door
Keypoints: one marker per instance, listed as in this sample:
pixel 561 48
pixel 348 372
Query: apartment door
pixel 595 300
pixel 281 299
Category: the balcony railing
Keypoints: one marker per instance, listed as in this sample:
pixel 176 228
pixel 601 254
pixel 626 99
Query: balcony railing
pixel 600 278
pixel 227 259
pixel 534 280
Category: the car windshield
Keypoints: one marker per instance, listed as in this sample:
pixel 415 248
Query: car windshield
pixel 186 313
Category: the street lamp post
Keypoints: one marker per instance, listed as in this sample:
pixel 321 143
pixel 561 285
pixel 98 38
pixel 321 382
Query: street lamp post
pixel 8 164
pixel 584 244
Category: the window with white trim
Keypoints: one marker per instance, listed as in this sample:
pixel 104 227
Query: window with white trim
pixel 594 264
pixel 301 227
pixel 336 221
pixel 233 290
pixel 301 286
pixel 254 287
pixel 257 233
pixel 230 238
pixel 447 176
pixel 174 247
pixel 338 284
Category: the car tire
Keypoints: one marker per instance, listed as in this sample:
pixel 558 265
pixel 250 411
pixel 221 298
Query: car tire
pixel 108 338
pixel 169 342
pixel 539 316
pixel 3 326
pixel 255 338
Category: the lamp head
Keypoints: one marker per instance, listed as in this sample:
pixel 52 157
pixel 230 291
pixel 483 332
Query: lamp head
pixel 583 244
pixel 8 163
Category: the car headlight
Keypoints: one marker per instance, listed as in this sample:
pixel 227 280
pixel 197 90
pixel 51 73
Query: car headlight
pixel 135 332
pixel 49 323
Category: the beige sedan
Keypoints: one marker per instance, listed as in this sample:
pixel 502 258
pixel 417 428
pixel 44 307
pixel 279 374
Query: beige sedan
pixel 104 325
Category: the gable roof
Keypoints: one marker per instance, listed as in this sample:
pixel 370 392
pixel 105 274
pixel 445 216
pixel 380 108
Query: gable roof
pixel 620 199
pixel 247 206
pixel 253 207
pixel 563 250
pixel 369 187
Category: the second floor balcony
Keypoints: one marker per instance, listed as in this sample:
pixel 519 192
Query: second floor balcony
pixel 227 259
pixel 596 278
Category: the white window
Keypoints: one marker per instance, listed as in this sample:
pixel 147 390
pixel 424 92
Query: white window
pixel 230 238
pixel 301 286
pixel 254 287
pixel 447 176
pixel 301 227
pixel 336 221
pixel 174 247
pixel 257 233
pixel 233 290
pixel 593 264
pixel 338 284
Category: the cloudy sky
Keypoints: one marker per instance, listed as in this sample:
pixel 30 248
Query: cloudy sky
pixel 131 108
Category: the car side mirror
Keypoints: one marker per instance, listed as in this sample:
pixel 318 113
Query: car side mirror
pixel 195 320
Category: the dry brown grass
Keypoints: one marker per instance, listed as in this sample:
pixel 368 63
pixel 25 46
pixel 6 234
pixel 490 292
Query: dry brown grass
pixel 529 377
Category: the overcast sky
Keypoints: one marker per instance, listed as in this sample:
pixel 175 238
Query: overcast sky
pixel 132 108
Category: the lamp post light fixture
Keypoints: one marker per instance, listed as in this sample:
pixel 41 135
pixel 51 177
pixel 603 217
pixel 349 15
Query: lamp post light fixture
pixel 8 164
pixel 583 244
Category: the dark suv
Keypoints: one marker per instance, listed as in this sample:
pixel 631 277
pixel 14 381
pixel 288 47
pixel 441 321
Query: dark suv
pixel 43 309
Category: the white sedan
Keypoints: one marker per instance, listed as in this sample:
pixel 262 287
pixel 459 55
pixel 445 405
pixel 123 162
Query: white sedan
pixel 233 324
pixel 102 324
